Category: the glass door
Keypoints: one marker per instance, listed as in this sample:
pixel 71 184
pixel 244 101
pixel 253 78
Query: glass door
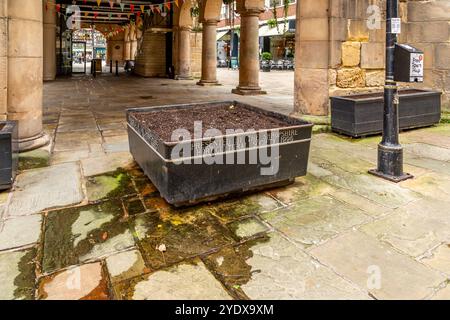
pixel 78 57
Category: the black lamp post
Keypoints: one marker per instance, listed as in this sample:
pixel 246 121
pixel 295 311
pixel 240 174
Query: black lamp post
pixel 390 152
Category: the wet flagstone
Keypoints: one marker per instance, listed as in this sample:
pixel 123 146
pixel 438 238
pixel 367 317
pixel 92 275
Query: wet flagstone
pixel 378 268
pixel 35 159
pixel 111 185
pixel 106 163
pixel 247 228
pixel 50 187
pixel 86 282
pixel 186 281
pixel 184 234
pixel 126 265
pixel 17 275
pixel 84 233
pixel 20 231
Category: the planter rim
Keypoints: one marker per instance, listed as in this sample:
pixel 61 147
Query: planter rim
pixel 421 92
pixel 301 123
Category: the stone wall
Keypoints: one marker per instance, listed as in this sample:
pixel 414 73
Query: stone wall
pixel 357 51
pixel 151 60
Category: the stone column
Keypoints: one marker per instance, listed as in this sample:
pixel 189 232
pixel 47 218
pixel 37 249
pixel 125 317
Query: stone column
pixel 25 64
pixel 3 59
pixel 133 44
pixel 127 45
pixel 312 57
pixel 209 54
pixel 249 54
pixel 184 53
pixel 49 40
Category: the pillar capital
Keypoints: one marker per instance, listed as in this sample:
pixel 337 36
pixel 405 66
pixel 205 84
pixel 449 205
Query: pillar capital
pixel 184 28
pixel 250 12
pixel 210 22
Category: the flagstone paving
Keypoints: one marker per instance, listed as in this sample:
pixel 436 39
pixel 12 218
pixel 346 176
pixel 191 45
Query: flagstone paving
pixel 84 222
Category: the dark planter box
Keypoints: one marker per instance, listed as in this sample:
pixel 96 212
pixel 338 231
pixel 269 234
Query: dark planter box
pixel 9 157
pixel 362 115
pixel 186 184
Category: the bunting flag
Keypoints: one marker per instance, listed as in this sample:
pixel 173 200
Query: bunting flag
pixel 111 3
pixel 142 8
pixel 122 6
pixel 176 3
pixel 99 2
pixel 167 4
pixel 132 8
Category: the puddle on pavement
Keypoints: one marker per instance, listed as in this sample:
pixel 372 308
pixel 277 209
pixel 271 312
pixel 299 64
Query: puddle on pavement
pixel 84 233
pixel 230 266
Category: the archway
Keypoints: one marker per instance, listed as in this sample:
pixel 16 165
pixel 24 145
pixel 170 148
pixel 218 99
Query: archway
pixel 88 44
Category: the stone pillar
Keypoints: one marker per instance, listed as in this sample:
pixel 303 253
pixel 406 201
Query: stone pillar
pixel 133 42
pixel 49 40
pixel 25 64
pixel 184 54
pixel 312 58
pixel 249 53
pixel 3 59
pixel 127 45
pixel 209 54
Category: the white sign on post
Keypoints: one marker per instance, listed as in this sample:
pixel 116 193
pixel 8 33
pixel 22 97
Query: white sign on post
pixel 416 69
pixel 396 25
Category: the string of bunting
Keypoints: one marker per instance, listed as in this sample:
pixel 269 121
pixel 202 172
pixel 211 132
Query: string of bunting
pixel 162 8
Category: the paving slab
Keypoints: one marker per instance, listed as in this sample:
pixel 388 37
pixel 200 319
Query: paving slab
pixel 20 231
pixel 46 188
pixel 182 282
pixel 415 228
pixel 248 228
pixel 378 268
pixel 315 220
pixel 17 275
pixel 279 270
pixel 84 233
pixel 107 163
pixel 86 282
pixel 125 265
pixel 439 258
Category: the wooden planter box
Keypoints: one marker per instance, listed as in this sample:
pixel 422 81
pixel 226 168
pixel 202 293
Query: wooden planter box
pixel 362 115
pixel 186 184
pixel 9 157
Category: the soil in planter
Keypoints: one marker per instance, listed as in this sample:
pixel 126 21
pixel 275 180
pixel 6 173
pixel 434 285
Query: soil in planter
pixel 222 118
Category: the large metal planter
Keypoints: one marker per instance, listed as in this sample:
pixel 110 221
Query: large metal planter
pixel 8 153
pixel 185 184
pixel 362 115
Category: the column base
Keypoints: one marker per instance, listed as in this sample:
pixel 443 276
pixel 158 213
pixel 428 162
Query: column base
pixel 207 83
pixel 184 78
pixel 32 143
pixel 248 91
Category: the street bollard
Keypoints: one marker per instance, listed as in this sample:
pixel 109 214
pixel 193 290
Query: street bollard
pixel 117 68
pixel 110 66
pixel 94 68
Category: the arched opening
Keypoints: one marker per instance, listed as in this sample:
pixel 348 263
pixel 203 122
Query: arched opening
pixel 88 44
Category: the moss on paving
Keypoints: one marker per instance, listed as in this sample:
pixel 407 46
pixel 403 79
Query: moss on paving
pixel 61 247
pixel 25 281
pixel 34 159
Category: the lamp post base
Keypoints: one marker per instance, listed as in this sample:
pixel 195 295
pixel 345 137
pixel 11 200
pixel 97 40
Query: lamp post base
pixel 396 179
